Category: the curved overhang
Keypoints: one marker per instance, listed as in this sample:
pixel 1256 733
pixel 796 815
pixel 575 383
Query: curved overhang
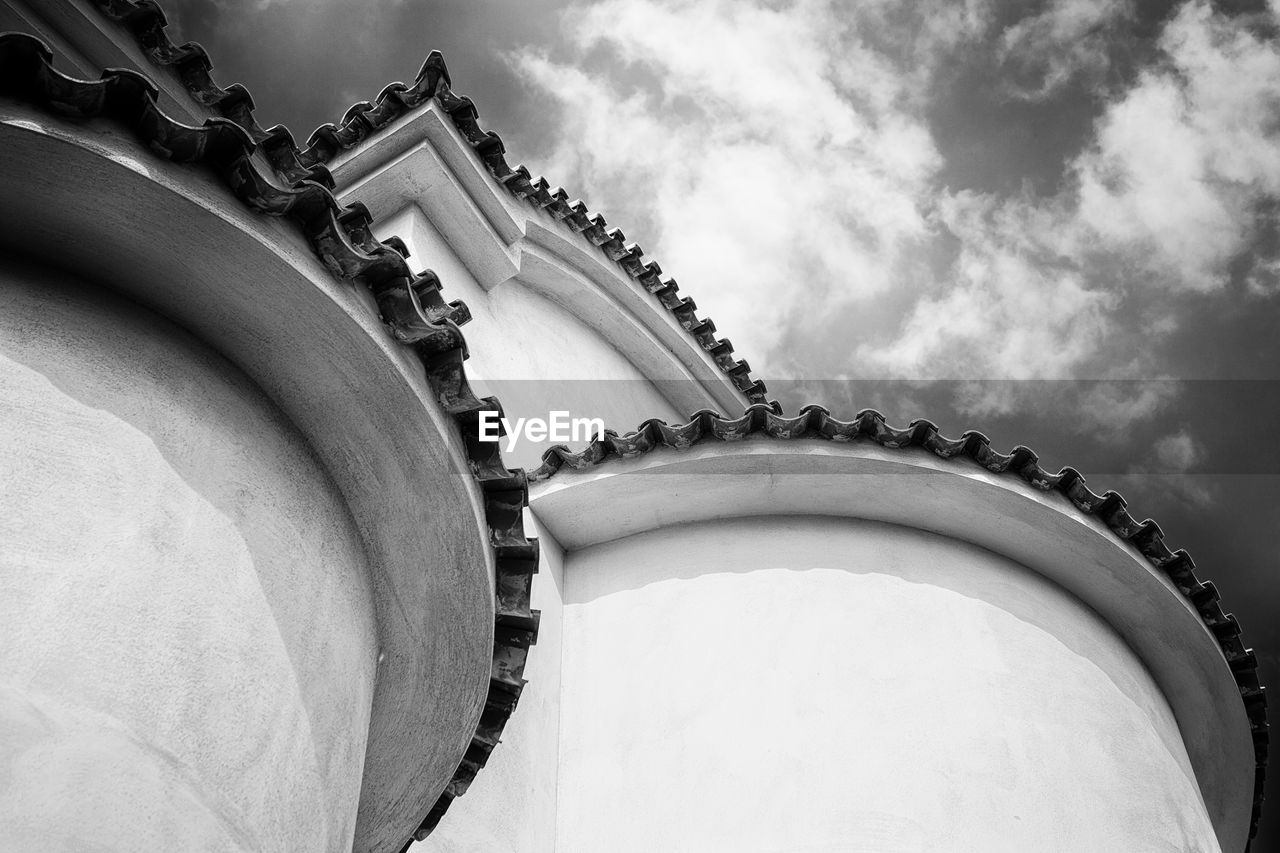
pixel 87 197
pixel 1040 529
pixel 423 146
pixel 423 160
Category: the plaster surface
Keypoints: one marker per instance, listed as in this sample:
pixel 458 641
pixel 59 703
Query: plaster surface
pixel 1040 530
pixel 173 239
pixel 421 163
pixel 537 355
pixel 187 637
pixel 819 684
pixel 512 806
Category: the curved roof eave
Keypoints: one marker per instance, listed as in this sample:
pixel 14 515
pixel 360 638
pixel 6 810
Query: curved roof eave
pixel 190 62
pixel 869 427
pixel 410 305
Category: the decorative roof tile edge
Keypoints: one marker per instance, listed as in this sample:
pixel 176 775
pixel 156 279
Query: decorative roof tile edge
pixel 869 425
pixel 410 306
pixel 146 22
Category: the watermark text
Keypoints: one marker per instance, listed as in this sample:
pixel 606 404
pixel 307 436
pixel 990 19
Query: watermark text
pixel 559 428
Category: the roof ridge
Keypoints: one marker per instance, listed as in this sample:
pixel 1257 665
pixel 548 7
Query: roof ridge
pixel 145 20
pixel 816 422
pixel 410 306
pixel 364 119
pixel 304 169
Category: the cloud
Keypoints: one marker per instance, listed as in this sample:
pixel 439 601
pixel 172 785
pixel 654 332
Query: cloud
pixel 1181 160
pixel 1264 278
pixel 768 149
pixel 1015 298
pixel 1160 203
pixel 307 61
pixel 1041 54
pixel 780 160
pixel 1167 468
pixel 1177 452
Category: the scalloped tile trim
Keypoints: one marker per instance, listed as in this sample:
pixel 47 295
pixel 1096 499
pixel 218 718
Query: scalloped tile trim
pixel 870 426
pixel 410 305
pixel 146 22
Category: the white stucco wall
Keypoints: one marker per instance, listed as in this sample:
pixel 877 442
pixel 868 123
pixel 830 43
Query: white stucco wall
pixel 511 807
pixel 187 640
pixel 531 353
pixel 820 684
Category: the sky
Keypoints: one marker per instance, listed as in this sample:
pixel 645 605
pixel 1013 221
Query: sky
pixel 1056 222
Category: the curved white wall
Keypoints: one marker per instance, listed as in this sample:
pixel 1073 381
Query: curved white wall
pixel 554 307
pixel 532 353
pixel 820 684
pixel 511 806
pixel 187 639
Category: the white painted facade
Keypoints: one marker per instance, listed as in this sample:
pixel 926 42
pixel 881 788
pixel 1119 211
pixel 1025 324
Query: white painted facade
pixel 814 684
pixel 759 646
pixel 556 325
pixel 782 646
pixel 169 535
pixel 794 645
pixel 297 660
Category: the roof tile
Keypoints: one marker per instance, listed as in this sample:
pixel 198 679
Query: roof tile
pixel 816 422
pixel 146 22
pixel 410 305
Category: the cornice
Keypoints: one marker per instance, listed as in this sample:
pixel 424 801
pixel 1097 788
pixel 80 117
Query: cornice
pixel 868 426
pixel 418 316
pixel 410 305
pixel 146 22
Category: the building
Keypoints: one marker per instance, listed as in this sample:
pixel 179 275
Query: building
pixel 266 588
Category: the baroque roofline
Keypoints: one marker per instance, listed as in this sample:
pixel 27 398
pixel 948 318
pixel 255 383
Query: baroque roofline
pixel 190 62
pixel 816 422
pixel 416 315
pixel 410 306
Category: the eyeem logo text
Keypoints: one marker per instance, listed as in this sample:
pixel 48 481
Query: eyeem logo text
pixel 560 428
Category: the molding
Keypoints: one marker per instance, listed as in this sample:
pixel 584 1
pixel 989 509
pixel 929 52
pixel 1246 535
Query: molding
pixel 374 136
pixel 386 404
pixel 486 237
pixel 813 464
pixel 423 160
pixel 470 152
